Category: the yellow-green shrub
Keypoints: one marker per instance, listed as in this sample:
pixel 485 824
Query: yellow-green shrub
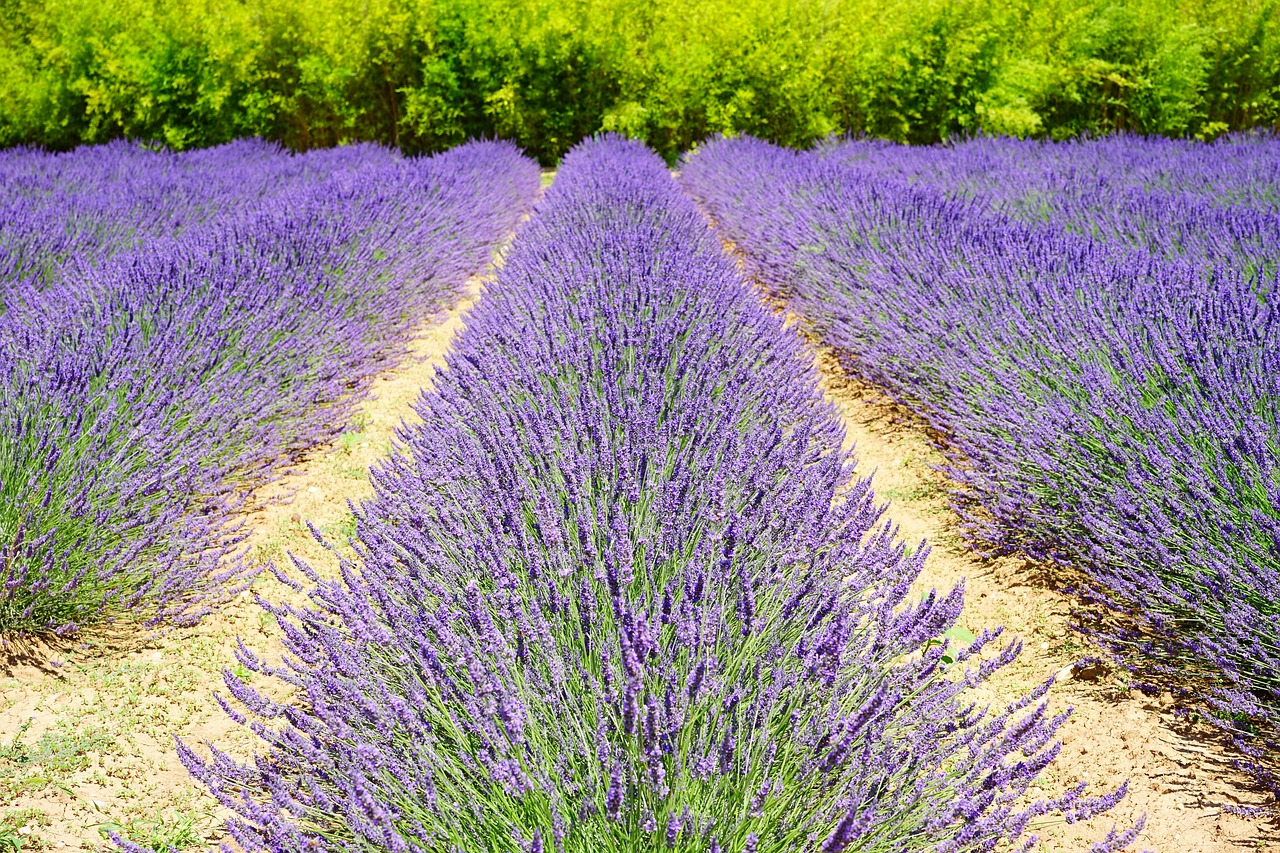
pixel 426 74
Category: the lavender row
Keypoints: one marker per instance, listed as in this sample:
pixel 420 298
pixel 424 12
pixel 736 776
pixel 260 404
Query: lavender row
pixel 1112 399
pixel 175 327
pixel 621 592
pixel 1214 206
pixel 68 212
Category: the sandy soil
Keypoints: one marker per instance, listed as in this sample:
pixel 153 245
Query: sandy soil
pixel 87 731
pixel 1178 776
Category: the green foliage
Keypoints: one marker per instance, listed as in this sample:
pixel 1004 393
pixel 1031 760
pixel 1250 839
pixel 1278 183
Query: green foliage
pixel 427 74
pixel 17 829
pixel 164 832
pixel 57 754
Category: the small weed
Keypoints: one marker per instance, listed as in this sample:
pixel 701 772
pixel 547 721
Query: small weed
pixel 352 438
pixel 268 551
pixel 1072 647
pixel 290 528
pixel 960 639
pixel 11 841
pixel 914 493
pixel 343 528
pixel 17 829
pixel 352 472
pixel 16 752
pixel 56 755
pixel 174 830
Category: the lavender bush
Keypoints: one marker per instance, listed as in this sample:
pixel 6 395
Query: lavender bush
pixel 620 592
pixel 173 327
pixel 1095 326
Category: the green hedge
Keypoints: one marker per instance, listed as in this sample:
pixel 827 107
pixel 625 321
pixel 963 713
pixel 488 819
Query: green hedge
pixel 425 74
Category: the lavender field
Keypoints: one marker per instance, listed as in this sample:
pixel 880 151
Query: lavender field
pixel 618 582
pixel 1093 327
pixel 606 598
pixel 175 327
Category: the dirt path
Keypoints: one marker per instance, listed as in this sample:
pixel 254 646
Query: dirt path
pixel 87 745
pixel 1178 778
